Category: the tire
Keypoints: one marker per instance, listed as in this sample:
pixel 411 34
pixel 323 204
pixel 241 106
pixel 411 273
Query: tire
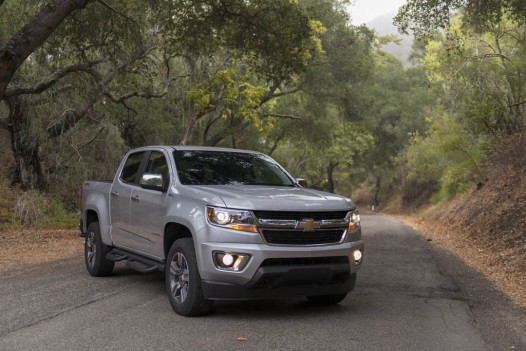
pixel 332 299
pixel 183 282
pixel 95 253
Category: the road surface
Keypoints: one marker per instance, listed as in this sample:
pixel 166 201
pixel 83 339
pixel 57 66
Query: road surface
pixel 402 301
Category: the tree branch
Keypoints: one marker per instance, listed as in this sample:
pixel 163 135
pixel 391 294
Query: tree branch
pixel 71 117
pixel 277 115
pixel 32 36
pixel 115 11
pixel 280 136
pixel 121 99
pixel 501 56
pixel 50 81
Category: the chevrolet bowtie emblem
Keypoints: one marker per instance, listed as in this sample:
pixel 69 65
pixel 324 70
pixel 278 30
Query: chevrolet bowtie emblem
pixel 308 225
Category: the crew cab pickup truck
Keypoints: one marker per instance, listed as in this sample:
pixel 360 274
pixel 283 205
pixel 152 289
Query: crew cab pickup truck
pixel 222 224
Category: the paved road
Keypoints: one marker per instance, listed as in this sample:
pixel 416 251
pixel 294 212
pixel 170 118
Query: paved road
pixel 401 302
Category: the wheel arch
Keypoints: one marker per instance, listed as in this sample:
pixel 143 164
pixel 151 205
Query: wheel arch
pixel 91 216
pixel 172 232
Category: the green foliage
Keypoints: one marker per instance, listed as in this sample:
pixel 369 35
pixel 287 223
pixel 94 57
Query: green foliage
pixel 291 78
pixel 426 18
pixel 276 37
pixel 449 155
pixel 238 96
pixel 474 68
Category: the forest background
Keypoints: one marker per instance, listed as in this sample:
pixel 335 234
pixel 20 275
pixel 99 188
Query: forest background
pixel 83 81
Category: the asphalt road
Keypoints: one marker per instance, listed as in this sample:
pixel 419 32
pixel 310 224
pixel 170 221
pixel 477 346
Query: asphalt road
pixel 402 301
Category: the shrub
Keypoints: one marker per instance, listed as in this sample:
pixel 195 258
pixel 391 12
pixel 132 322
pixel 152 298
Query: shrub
pixel 36 209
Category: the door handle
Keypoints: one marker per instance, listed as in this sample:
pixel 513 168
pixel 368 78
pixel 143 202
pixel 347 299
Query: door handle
pixel 115 193
pixel 136 198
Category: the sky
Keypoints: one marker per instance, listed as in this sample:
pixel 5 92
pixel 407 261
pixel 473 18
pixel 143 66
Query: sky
pixel 362 11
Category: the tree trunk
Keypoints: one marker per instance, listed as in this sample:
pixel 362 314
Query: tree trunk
pixel 377 187
pixel 28 167
pixel 32 36
pixel 330 177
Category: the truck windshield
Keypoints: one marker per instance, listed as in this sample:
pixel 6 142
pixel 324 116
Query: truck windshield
pixel 196 167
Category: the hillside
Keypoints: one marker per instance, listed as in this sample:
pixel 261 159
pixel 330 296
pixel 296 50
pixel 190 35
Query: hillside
pixel 487 227
pixel 383 25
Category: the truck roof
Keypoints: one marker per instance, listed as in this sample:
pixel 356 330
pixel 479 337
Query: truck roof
pixel 196 148
pixel 212 148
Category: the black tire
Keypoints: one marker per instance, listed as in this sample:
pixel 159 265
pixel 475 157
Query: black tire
pixel 95 253
pixel 183 282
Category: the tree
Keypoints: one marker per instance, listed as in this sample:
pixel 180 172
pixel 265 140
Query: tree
pixel 106 53
pixel 32 36
pixel 478 73
pixel 425 18
pixel 399 99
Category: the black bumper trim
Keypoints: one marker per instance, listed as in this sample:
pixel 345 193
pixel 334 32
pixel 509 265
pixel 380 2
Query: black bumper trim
pixel 290 281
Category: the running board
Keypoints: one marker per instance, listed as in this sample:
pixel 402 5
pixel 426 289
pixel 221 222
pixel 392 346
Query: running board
pixel 141 267
pixel 115 257
pixel 134 261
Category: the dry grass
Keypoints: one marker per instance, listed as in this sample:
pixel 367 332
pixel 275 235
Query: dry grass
pixel 25 247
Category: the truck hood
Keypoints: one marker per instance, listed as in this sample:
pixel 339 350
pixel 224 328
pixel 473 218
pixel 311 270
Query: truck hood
pixel 268 198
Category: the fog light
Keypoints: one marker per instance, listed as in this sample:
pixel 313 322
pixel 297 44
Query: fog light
pixel 230 261
pixel 357 255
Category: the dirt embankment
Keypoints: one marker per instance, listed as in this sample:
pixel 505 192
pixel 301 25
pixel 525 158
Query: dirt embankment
pixel 20 248
pixel 487 227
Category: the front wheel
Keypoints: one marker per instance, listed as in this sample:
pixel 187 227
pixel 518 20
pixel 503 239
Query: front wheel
pixel 95 253
pixel 183 282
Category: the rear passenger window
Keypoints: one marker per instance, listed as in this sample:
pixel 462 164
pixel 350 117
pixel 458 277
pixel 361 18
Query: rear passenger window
pixel 131 167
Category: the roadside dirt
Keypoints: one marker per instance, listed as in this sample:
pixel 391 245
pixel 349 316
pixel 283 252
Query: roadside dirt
pixel 486 228
pixel 21 248
pixel 502 267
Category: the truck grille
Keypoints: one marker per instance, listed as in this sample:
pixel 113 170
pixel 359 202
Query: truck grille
pixel 300 237
pixel 302 228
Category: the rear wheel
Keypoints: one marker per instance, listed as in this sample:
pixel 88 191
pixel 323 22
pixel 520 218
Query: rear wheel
pixel 95 253
pixel 183 282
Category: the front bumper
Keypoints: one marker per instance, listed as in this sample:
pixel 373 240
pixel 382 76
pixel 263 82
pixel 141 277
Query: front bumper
pixel 321 275
pixel 289 282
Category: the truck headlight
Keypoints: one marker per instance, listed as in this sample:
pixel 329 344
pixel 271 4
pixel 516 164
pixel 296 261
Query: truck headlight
pixel 354 220
pixel 233 219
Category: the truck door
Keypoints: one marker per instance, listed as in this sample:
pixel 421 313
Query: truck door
pixel 120 198
pixel 148 208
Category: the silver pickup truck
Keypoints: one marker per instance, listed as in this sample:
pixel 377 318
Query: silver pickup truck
pixel 222 224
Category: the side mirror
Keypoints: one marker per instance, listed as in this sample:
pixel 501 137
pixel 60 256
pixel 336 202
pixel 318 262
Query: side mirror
pixel 302 182
pixel 152 181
